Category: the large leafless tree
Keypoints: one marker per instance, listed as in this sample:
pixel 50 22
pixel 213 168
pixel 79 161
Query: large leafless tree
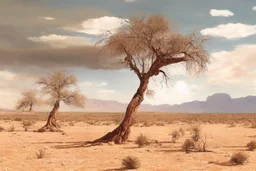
pixel 60 87
pixel 28 100
pixel 148 45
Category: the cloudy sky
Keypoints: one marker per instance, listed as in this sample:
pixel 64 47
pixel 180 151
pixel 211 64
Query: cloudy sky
pixel 38 36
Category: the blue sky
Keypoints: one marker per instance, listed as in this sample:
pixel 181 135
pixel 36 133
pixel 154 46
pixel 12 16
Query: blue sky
pixel 33 32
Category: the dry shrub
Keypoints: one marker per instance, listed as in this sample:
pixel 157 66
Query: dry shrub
pixel 196 132
pixel 17 119
pixel 188 145
pixel 253 124
pixel 142 141
pixel 182 132
pixel 1 128
pixel 11 128
pixel 41 153
pixel 232 125
pixel 251 145
pixel 71 124
pixel 130 162
pixel 239 158
pixel 26 124
pixel 147 124
pixel 175 135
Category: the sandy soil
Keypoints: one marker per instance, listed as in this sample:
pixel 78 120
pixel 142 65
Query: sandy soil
pixel 64 153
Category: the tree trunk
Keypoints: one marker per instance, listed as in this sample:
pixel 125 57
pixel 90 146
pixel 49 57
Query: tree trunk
pixel 51 124
pixel 121 133
pixel 30 108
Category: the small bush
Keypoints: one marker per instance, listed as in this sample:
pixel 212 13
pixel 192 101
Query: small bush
pixel 130 162
pixel 251 145
pixel 182 132
pixel 41 153
pixel 17 119
pixel 11 128
pixel 1 128
pixel 188 145
pixel 253 124
pixel 175 135
pixel 196 132
pixel 71 124
pixel 239 158
pixel 142 141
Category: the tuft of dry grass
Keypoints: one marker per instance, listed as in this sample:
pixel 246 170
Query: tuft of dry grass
pixel 130 162
pixel 251 145
pixel 196 132
pixel 142 141
pixel 71 124
pixel 182 132
pixel 11 128
pixel 1 128
pixel 17 119
pixel 188 145
pixel 27 123
pixel 239 158
pixel 175 135
pixel 253 124
pixel 41 153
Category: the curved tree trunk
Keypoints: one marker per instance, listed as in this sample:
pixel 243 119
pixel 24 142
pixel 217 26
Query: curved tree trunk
pixel 51 124
pixel 121 133
pixel 30 108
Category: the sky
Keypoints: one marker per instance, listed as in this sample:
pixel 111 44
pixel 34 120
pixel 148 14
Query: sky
pixel 40 36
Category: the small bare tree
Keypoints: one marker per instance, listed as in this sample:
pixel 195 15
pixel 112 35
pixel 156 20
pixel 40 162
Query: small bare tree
pixel 28 100
pixel 148 45
pixel 60 87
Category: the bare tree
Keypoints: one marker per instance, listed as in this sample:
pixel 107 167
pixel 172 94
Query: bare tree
pixel 148 45
pixel 28 100
pixel 60 87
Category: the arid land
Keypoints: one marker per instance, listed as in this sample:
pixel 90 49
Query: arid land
pixel 225 135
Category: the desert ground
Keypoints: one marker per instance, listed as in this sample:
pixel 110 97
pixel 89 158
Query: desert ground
pixel 226 134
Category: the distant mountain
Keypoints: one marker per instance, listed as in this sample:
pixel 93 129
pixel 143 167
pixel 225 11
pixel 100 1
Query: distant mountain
pixel 4 110
pixel 217 103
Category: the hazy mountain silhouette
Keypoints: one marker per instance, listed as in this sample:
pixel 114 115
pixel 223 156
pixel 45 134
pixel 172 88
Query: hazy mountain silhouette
pixel 216 103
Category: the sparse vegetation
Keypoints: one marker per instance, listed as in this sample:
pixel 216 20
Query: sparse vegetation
pixel 11 128
pixel 251 145
pixel 1 128
pixel 253 124
pixel 41 153
pixel 142 141
pixel 175 135
pixel 130 162
pixel 188 145
pixel 17 119
pixel 239 158
pixel 26 124
pixel 182 132
pixel 196 132
pixel 71 124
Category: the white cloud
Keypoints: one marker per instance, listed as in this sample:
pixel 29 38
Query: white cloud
pixel 237 66
pixel 6 75
pixel 48 18
pixel 61 41
pixel 91 84
pixel 105 91
pixel 230 30
pixel 221 13
pixel 254 8
pixel 129 0
pixel 98 26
